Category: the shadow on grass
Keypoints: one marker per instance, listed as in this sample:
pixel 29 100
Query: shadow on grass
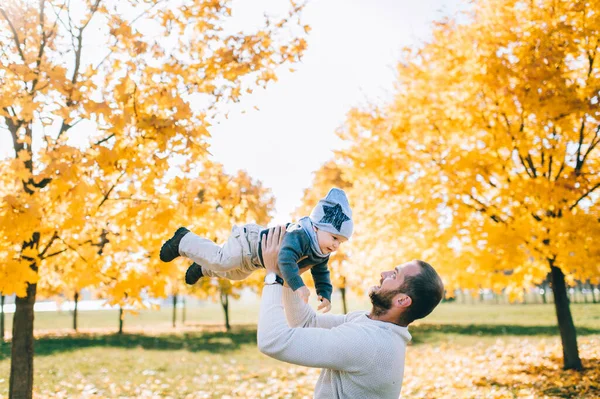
pixel 209 341
pixel 222 342
pixel 431 332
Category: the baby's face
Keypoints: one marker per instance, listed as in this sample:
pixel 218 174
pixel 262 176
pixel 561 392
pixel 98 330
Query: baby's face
pixel 329 242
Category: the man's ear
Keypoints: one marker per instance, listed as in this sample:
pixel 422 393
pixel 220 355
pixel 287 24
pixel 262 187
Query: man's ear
pixel 402 300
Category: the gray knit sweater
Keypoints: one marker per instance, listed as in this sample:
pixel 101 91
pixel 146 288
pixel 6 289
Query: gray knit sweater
pixel 360 357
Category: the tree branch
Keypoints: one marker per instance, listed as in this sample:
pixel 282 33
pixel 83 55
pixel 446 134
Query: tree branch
pixel 13 128
pixel 110 191
pixel 78 48
pixel 38 62
pixel 531 165
pixel 584 196
pixel 105 139
pixel 15 34
pixel 72 249
pixel 593 145
pixel 54 237
pixel 56 253
pixel 579 163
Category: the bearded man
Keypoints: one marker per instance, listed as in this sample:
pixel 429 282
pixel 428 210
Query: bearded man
pixel 362 353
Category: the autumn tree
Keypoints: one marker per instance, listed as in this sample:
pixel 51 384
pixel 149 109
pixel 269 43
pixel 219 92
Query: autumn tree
pixel 486 162
pixel 97 100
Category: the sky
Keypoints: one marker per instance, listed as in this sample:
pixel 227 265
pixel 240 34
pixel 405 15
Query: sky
pixel 353 48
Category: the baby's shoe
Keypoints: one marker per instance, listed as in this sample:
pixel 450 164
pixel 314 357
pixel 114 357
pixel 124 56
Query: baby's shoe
pixel 193 274
pixel 170 249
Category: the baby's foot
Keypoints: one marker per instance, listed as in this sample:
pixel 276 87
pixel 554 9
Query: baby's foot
pixel 193 274
pixel 170 249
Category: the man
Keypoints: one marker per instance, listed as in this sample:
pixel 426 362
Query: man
pixel 361 354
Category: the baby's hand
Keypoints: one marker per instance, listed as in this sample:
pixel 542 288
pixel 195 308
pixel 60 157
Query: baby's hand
pixel 325 304
pixel 304 293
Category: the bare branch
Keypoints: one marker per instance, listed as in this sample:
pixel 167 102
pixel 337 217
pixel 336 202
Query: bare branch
pixel 93 11
pixel 13 128
pixel 584 196
pixel 52 239
pixel 562 167
pixel 72 249
pixel 514 140
pixel 55 253
pixel 579 146
pixel 531 165
pixel 38 62
pixel 592 145
pixel 110 191
pixel 105 139
pixel 15 34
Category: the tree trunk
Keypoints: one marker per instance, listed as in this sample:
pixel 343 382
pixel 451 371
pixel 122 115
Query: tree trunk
pixel 120 319
pixel 585 295
pixel 21 364
pixel 225 305
pixel 76 302
pixel 183 311
pixel 594 300
pixel 2 318
pixel 544 292
pixel 568 334
pixel 174 310
pixel 344 304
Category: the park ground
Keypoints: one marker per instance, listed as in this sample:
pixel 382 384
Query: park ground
pixel 462 351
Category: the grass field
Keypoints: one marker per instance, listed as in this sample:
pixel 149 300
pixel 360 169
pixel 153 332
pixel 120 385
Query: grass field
pixel 463 351
pixel 246 312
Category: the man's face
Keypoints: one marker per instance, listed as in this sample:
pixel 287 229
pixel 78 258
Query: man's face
pixel 329 242
pixel 393 279
pixel 383 295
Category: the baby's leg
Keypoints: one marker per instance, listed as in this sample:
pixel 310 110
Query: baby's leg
pixel 210 255
pixel 235 274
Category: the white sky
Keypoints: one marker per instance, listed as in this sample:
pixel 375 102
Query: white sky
pixel 352 51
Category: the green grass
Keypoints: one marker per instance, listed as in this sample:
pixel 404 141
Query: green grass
pixel 585 316
pixel 135 364
pixel 203 361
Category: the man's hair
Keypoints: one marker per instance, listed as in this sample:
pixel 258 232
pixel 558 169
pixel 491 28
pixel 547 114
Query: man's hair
pixel 426 291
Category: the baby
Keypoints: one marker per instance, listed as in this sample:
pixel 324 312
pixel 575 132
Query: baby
pixel 307 244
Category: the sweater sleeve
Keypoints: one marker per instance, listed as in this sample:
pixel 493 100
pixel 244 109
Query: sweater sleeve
pixel 293 247
pixel 322 279
pixel 300 314
pixel 338 348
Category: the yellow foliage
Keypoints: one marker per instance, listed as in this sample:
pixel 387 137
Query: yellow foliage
pixel 486 162
pixel 112 124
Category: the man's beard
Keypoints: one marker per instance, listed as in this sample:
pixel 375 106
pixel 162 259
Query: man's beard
pixel 382 301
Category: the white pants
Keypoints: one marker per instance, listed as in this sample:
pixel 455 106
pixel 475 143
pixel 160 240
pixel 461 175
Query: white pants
pixel 234 260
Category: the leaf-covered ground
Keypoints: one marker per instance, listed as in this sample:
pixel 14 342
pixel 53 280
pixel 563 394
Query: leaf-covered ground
pixel 213 364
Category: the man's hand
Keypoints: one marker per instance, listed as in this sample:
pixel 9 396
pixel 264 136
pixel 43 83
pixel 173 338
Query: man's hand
pixel 270 245
pixel 325 304
pixel 304 293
